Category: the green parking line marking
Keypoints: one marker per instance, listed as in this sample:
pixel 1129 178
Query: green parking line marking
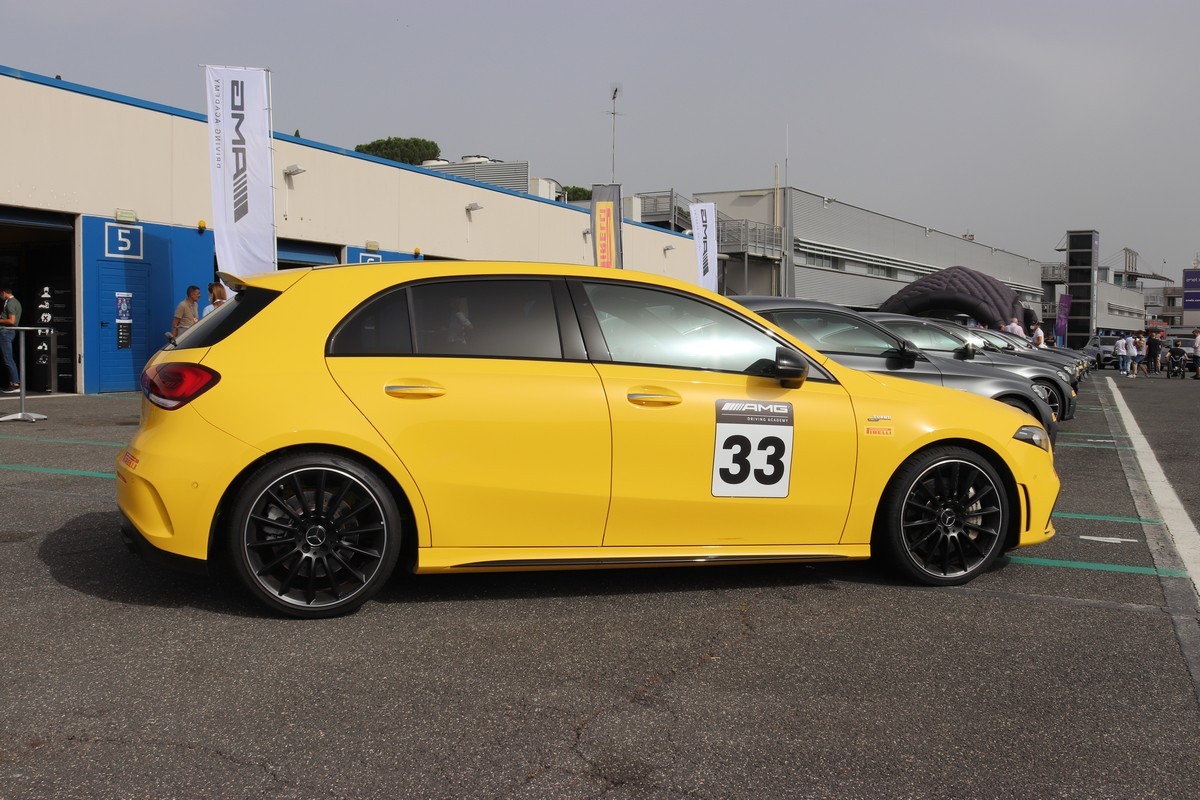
pixel 62 441
pixel 1093 446
pixel 1103 518
pixel 1048 562
pixel 52 471
pixel 1103 435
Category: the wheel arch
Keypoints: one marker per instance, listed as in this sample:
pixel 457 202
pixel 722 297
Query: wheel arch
pixel 1018 504
pixel 408 543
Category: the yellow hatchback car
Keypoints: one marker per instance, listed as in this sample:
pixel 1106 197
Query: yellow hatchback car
pixel 330 423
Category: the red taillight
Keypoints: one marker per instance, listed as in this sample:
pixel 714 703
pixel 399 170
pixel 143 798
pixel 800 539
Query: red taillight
pixel 172 386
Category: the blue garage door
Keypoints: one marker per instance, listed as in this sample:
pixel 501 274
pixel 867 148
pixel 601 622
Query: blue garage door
pixel 127 337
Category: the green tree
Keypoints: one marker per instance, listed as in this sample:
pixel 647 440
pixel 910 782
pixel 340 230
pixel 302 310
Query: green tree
pixel 406 151
pixel 578 193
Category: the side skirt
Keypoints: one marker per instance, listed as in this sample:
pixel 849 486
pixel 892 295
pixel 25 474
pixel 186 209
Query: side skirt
pixel 433 559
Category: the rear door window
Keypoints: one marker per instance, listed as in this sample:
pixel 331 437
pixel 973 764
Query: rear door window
pixel 503 318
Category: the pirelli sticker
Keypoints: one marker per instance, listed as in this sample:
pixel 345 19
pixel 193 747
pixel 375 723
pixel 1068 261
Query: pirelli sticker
pixel 878 430
pixel 752 456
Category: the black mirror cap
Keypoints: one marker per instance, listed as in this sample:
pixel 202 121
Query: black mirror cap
pixel 791 368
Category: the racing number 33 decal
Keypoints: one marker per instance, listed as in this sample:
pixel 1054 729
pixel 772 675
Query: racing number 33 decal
pixel 753 452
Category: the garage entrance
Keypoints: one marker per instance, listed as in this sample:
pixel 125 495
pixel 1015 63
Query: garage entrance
pixel 37 256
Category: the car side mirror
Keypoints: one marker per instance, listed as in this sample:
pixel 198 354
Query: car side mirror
pixel 906 351
pixel 790 368
pixel 968 350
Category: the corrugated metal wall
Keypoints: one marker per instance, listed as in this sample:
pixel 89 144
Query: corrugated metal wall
pixel 837 224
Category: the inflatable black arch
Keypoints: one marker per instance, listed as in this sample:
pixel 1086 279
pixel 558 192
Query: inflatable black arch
pixel 960 290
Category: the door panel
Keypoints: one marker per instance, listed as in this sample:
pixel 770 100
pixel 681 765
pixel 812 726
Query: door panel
pixel 668 457
pixel 506 453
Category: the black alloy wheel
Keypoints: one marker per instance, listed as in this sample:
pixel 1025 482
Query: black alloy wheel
pixel 945 517
pixel 314 535
pixel 1052 396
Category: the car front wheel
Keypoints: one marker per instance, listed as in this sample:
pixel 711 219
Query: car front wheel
pixel 314 535
pixel 944 517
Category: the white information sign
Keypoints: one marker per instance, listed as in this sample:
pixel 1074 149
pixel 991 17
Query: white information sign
pixel 752 456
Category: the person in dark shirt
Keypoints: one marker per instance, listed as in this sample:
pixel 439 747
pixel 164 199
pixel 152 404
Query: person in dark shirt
pixel 10 317
pixel 1153 351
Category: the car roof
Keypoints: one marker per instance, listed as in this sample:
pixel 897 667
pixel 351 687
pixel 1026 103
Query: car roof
pixel 764 303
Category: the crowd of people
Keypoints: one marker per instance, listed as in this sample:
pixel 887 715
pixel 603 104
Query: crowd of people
pixel 1148 353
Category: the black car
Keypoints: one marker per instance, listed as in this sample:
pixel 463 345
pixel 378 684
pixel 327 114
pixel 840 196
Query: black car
pixel 851 339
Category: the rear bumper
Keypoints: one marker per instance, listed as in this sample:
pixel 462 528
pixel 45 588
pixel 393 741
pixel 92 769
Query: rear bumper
pixel 138 544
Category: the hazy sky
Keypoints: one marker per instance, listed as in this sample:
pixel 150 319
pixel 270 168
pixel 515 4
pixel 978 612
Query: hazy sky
pixel 1014 120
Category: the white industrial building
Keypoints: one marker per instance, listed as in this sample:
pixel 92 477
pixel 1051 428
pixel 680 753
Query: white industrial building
pixel 84 168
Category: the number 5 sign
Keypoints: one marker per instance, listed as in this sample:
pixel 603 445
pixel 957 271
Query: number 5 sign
pixel 123 241
pixel 753 452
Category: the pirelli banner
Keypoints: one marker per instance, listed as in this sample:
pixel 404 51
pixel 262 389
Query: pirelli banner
pixel 606 224
pixel 239 130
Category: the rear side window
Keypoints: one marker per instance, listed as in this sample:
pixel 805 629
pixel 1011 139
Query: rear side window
pixel 486 318
pixel 227 318
pixel 380 328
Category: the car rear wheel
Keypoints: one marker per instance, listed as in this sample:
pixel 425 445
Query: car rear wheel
pixel 944 517
pixel 314 535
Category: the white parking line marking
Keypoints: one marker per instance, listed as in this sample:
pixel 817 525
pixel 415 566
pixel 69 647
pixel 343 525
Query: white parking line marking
pixel 1178 524
pixel 1107 539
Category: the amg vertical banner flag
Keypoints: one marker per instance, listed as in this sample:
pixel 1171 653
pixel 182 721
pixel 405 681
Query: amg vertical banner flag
pixel 704 233
pixel 606 224
pixel 239 131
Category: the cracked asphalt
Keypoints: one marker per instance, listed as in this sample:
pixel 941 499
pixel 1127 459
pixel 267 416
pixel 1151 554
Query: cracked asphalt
pixel 1067 672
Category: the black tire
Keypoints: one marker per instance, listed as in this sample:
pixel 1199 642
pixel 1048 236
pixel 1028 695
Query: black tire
pixel 313 534
pixel 1052 396
pixel 1022 404
pixel 944 517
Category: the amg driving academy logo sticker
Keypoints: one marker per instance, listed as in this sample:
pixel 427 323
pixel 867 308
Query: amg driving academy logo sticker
pixel 743 412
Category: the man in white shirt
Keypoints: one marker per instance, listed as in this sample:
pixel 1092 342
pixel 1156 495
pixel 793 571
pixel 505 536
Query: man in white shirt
pixel 1015 327
pixel 1121 354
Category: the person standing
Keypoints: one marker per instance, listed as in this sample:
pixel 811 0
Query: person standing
pixel 1139 358
pixel 1153 351
pixel 1196 354
pixel 1131 354
pixel 10 317
pixel 216 298
pixel 1122 356
pixel 1014 327
pixel 1038 336
pixel 187 313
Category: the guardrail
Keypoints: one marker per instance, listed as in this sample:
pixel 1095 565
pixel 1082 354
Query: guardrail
pixel 743 235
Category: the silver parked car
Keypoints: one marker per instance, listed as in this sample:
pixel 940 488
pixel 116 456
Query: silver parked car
pixel 854 341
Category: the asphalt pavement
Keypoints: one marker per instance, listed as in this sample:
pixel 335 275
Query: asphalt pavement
pixel 1069 671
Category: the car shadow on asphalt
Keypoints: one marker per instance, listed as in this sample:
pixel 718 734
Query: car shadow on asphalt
pixel 86 555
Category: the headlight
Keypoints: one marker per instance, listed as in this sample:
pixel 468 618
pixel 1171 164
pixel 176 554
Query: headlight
pixel 1034 436
pixel 1063 376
